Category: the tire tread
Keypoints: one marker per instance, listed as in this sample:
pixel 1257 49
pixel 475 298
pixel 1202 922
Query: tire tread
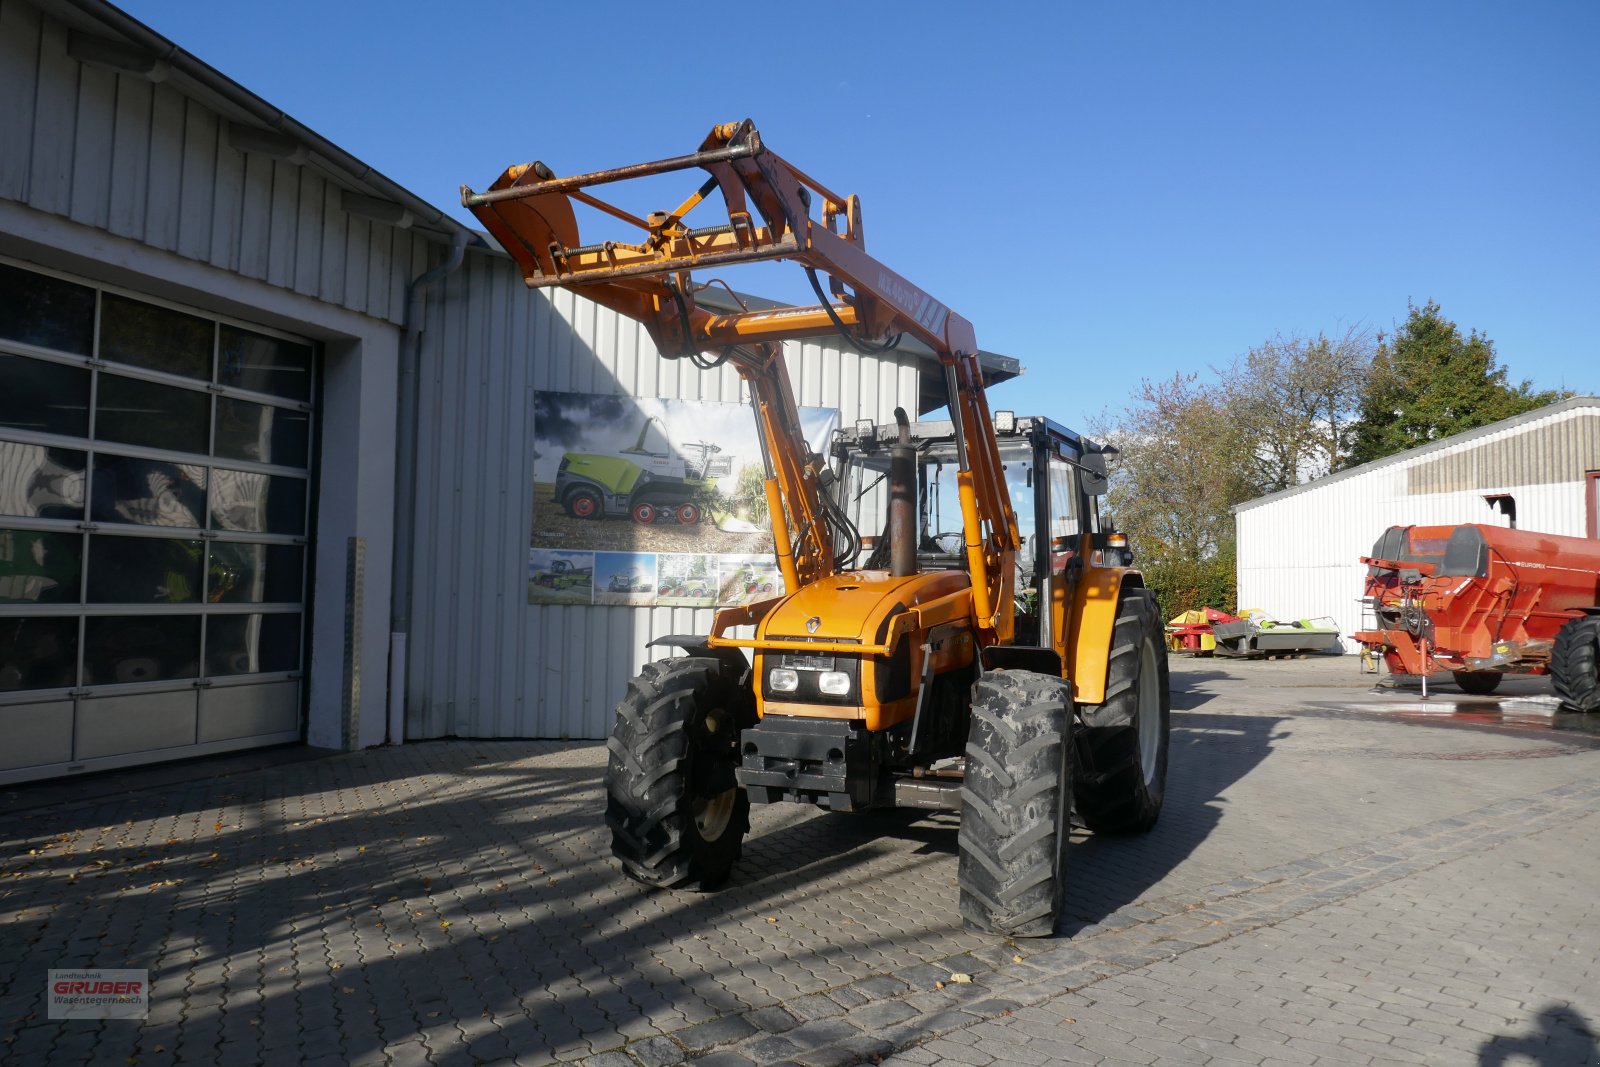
pixel 646 806
pixel 1014 803
pixel 1575 663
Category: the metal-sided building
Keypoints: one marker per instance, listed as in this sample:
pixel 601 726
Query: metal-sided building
pixel 265 425
pixel 1299 550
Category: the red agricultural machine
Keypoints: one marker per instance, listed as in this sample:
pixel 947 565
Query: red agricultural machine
pixel 1485 601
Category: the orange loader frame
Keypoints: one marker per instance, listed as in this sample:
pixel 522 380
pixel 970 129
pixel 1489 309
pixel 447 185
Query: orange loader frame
pixel 769 203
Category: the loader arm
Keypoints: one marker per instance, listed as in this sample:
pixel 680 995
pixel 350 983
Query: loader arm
pixel 767 215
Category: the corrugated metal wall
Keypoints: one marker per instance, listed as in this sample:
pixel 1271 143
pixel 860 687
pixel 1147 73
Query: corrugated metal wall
pixel 1560 450
pixel 146 162
pixel 483 662
pixel 1298 555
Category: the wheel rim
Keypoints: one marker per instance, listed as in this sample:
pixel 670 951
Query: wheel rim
pixel 713 814
pixel 688 514
pixel 1149 714
pixel 583 506
pixel 644 514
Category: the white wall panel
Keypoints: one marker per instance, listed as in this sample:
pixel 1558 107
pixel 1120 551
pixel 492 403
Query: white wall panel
pixel 483 662
pixel 1298 553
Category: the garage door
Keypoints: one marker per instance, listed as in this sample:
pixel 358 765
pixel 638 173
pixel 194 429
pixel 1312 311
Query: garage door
pixel 154 493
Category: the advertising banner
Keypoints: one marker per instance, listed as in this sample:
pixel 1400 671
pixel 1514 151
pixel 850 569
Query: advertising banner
pixel 644 502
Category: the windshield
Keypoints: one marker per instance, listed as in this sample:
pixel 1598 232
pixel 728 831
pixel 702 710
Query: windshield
pixel 864 495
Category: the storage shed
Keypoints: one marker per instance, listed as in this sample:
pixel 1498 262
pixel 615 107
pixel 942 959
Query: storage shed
pixel 1299 550
pixel 268 425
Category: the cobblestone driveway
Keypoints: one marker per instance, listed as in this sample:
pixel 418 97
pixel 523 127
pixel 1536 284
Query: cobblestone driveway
pixel 1358 879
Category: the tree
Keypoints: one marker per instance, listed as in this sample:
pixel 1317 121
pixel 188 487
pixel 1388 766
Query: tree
pixel 1293 401
pixel 1428 382
pixel 1182 466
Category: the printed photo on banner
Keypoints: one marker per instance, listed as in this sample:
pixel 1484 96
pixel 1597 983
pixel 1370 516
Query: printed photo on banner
pixel 556 576
pixel 747 578
pixel 676 487
pixel 621 473
pixel 686 581
pixel 625 578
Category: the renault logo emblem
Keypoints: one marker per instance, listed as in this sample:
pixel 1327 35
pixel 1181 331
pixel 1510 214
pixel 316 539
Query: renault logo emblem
pixel 812 624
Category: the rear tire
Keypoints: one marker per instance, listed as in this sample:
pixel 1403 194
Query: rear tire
pixel 1478 683
pixel 1014 804
pixel 1575 663
pixel 677 815
pixel 1122 744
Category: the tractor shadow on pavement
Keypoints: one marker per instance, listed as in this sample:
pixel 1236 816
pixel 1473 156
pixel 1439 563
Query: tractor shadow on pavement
pixel 1208 753
pixel 361 901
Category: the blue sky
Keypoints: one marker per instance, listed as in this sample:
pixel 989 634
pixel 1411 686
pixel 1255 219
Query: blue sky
pixel 1109 191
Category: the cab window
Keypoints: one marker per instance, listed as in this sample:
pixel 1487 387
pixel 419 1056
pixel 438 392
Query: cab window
pixel 1020 484
pixel 1064 518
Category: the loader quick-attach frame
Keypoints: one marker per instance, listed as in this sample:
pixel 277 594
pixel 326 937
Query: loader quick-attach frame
pixel 899 667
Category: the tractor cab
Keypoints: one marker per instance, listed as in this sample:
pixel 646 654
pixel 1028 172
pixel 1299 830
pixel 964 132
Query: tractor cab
pixel 1054 476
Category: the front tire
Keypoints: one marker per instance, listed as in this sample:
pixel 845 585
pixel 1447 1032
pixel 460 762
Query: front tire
pixel 677 815
pixel 1478 683
pixel 1575 663
pixel 584 503
pixel 1014 804
pixel 1122 745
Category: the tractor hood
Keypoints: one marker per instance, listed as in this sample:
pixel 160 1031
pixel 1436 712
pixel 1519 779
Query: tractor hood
pixel 855 607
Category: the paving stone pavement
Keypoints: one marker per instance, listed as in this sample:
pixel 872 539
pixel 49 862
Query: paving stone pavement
pixel 1333 881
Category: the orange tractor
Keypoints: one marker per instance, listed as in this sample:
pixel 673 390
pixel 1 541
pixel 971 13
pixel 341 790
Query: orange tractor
pixel 957 630
pixel 1486 601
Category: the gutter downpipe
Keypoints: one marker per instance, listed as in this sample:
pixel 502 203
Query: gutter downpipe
pixel 407 412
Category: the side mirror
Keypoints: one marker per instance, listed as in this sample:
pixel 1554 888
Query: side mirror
pixel 1093 467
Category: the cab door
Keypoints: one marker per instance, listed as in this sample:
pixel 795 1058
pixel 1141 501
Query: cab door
pixel 1067 523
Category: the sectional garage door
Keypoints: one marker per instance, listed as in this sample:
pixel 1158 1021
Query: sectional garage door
pixel 154 495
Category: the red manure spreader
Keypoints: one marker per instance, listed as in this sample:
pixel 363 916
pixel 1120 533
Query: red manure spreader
pixel 1485 601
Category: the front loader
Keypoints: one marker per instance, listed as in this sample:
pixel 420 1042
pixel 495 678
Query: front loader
pixel 959 630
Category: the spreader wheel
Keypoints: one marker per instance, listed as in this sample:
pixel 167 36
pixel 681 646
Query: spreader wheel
pixel 1575 663
pixel 1478 683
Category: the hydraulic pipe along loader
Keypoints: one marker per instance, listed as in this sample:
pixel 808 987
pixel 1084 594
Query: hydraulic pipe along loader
pixel 960 632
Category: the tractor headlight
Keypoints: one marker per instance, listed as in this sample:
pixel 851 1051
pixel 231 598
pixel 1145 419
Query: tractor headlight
pixel 833 683
pixel 784 680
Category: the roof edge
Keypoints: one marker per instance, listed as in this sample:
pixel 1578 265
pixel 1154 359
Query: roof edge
pixel 209 78
pixel 1572 403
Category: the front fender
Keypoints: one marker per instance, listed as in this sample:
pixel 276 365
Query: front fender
pixel 1094 618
